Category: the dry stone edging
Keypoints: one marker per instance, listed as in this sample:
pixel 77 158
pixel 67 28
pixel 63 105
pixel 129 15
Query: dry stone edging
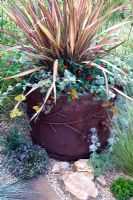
pixel 78 179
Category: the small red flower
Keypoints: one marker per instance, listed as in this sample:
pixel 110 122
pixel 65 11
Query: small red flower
pixel 103 65
pixel 94 94
pixel 79 72
pixel 69 90
pixel 123 69
pixel 10 62
pixel 20 79
pixel 65 66
pixel 89 78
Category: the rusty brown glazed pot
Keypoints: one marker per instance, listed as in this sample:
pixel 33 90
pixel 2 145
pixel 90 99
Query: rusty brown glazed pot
pixel 65 131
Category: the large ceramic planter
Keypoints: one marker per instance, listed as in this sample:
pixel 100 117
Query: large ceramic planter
pixel 65 131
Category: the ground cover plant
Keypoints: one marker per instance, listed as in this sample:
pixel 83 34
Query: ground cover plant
pixel 74 67
pixel 122 188
pixel 23 159
pixel 28 161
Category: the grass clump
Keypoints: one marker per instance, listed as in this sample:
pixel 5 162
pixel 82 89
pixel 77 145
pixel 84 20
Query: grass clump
pixel 123 146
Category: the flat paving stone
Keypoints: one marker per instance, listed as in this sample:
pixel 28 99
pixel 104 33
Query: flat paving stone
pixel 42 186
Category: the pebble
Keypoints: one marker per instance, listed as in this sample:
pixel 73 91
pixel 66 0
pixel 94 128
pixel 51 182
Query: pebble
pixel 101 180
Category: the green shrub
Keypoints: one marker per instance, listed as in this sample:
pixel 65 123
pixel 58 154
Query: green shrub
pixel 28 161
pixel 14 139
pixel 123 146
pixel 122 188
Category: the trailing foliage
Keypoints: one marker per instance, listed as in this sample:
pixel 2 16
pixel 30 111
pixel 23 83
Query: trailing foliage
pixel 122 188
pixel 28 161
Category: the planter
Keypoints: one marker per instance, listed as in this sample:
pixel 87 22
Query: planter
pixel 65 131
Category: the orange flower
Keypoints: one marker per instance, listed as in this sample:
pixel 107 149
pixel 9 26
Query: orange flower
pixel 73 94
pixel 1 53
pixel 73 98
pixel 107 104
pixel 52 97
pixel 20 79
pixel 114 110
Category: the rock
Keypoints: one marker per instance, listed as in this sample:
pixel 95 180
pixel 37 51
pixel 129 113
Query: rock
pixel 79 184
pixel 60 167
pixel 42 188
pixel 101 180
pixel 73 168
pixel 82 165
